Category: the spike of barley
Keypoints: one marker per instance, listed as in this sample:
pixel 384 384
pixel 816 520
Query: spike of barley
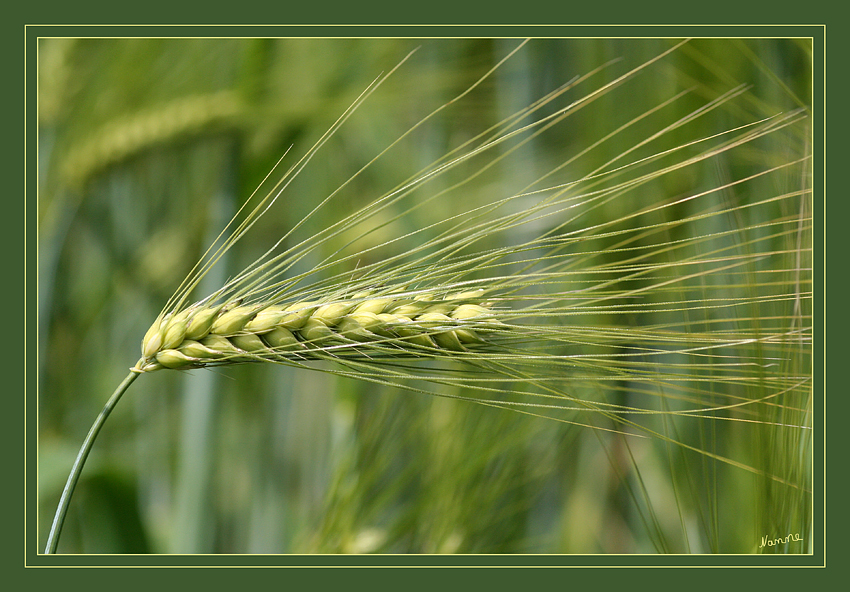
pixel 229 333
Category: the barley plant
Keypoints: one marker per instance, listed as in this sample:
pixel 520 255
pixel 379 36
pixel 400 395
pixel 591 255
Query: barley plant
pixel 493 296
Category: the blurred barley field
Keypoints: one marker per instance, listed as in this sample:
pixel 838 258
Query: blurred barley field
pixel 147 147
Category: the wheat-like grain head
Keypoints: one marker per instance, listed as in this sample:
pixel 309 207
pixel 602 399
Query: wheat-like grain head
pixel 396 325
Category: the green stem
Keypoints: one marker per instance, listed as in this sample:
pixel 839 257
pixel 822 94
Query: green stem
pixel 65 500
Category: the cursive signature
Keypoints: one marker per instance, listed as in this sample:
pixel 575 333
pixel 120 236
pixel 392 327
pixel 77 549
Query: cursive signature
pixel 771 542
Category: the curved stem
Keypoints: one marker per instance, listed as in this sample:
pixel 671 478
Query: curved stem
pixel 65 500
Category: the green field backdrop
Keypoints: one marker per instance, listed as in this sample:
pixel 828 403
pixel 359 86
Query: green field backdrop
pixel 147 147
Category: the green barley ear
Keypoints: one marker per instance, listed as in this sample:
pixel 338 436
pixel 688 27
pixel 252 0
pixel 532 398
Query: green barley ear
pixel 299 330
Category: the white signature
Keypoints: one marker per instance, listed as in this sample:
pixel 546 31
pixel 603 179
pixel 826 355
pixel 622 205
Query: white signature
pixel 771 542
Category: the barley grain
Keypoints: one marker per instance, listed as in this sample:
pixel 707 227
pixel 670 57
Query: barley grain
pixel 394 323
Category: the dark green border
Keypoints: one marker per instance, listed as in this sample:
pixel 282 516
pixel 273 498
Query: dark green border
pixel 417 31
pixel 14 236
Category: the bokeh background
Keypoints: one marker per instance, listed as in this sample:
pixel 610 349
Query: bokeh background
pixel 148 146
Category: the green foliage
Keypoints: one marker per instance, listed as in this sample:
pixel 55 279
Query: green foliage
pixel 150 146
